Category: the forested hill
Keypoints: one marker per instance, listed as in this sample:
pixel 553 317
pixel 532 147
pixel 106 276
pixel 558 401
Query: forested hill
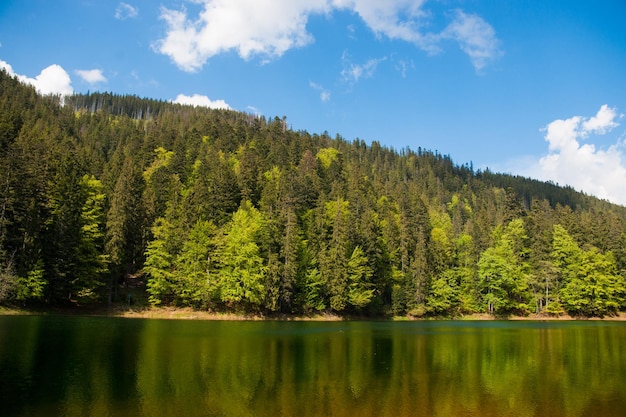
pixel 224 210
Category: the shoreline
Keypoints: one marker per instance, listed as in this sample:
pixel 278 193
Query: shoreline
pixel 186 313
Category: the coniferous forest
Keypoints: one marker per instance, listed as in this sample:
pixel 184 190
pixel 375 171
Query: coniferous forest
pixel 226 211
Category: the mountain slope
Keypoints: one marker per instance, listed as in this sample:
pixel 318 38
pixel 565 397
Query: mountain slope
pixel 224 210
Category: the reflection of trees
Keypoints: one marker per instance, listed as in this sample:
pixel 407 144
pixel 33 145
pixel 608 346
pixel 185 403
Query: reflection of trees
pixel 67 366
pixel 93 367
pixel 355 369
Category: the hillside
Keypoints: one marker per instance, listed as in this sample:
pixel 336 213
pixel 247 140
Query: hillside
pixel 227 211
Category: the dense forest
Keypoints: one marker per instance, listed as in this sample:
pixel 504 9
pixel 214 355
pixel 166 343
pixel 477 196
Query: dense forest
pixel 228 211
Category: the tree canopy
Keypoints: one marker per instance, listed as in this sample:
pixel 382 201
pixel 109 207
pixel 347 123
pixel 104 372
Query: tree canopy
pixel 223 210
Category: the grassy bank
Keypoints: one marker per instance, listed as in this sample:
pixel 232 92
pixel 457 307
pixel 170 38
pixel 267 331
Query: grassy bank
pixel 186 313
pixel 175 313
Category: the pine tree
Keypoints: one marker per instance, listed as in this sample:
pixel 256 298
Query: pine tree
pixel 125 230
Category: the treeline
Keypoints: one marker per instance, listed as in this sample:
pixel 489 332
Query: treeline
pixel 223 210
pixel 116 105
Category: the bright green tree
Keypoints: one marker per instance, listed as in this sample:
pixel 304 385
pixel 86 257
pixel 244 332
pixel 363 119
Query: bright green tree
pixel 314 291
pixel 453 291
pixel 92 261
pixel 360 289
pixel 159 262
pixel 503 271
pixel 196 283
pixel 590 283
pixel 32 286
pixel 242 272
pixel 444 293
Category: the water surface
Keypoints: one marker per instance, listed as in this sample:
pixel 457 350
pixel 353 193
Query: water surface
pixel 85 366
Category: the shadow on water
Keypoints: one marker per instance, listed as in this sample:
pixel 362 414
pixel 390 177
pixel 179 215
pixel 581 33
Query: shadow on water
pixel 51 365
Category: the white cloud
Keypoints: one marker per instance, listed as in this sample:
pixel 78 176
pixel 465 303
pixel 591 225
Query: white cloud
pixel 254 110
pixel 408 20
pixel 324 93
pixel 602 122
pixel 126 11
pixel 266 28
pixel 7 67
pixel 51 80
pixel 404 66
pixel 202 101
pixel 54 80
pixel 475 37
pixel 269 28
pixel 351 32
pixel 396 19
pixel 600 172
pixel 93 76
pixel 352 73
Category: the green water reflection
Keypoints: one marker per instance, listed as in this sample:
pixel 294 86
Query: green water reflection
pixel 73 366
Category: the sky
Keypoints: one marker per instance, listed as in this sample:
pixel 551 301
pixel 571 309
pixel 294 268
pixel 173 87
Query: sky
pixel 528 87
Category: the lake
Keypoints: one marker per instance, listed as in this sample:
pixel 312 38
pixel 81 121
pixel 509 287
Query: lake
pixel 91 366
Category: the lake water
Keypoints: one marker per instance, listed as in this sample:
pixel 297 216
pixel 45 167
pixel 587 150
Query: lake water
pixel 85 366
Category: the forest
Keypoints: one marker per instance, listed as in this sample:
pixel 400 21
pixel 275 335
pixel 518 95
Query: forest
pixel 226 211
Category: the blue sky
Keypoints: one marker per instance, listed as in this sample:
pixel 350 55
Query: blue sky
pixel 534 87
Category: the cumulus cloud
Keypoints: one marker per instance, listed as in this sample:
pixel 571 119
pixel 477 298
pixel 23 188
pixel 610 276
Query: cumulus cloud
pixel 51 80
pixel 126 11
pixel 201 101
pixel 573 161
pixel 7 67
pixel 251 27
pixel 602 122
pixel 54 80
pixel 269 28
pixel 324 93
pixel 93 76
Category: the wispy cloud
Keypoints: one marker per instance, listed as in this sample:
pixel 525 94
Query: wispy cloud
pixel 254 110
pixel 403 66
pixel 352 73
pixel 269 28
pixel 407 20
pixel 572 160
pixel 93 76
pixel 201 101
pixel 51 80
pixel 475 37
pixel 324 93
pixel 351 32
pixel 126 11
